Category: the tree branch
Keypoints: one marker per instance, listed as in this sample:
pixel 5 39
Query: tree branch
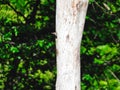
pixel 17 12
pixel 31 16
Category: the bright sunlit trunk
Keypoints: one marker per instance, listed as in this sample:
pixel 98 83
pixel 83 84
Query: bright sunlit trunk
pixel 70 20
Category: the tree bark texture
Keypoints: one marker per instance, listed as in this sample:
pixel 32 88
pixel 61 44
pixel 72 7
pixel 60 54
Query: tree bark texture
pixel 70 19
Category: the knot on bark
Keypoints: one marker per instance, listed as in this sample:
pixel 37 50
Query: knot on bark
pixel 79 5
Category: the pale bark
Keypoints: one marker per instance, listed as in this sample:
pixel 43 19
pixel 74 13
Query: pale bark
pixel 70 19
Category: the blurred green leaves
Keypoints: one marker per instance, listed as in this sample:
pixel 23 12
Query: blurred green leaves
pixel 100 46
pixel 103 53
pixel 14 49
pixel 27 58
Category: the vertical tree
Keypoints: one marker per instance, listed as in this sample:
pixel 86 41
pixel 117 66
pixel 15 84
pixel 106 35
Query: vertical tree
pixel 70 19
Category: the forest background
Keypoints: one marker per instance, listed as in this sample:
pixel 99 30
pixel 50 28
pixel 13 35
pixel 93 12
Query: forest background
pixel 27 45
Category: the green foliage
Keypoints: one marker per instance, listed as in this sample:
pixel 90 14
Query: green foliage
pixel 104 53
pixel 27 58
pixel 100 47
pixel 91 1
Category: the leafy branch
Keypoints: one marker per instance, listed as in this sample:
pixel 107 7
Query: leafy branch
pixel 31 16
pixel 16 11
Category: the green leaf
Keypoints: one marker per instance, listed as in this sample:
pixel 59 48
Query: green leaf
pixel 87 77
pixel 52 1
pixel 98 61
pixel 115 67
pixel 14 49
pixel 91 1
pixel 44 2
pixel 91 51
pixel 103 83
pixel 15 31
pixel 46 18
pixel 83 50
pixel 40 43
pixel 103 49
pixel 43 62
pixel 23 71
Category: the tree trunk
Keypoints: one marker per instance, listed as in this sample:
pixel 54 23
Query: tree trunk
pixel 70 19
